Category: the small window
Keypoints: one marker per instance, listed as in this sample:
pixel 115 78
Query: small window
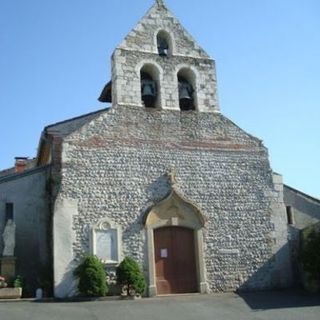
pixel 290 217
pixel 106 239
pixel 9 211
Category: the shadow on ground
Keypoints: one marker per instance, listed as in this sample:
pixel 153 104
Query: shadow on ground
pixel 279 299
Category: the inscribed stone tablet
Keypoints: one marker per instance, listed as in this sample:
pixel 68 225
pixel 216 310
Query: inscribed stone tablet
pixel 106 244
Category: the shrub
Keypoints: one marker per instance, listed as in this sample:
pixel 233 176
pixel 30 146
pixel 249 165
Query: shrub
pixel 310 255
pixel 130 277
pixel 92 277
pixel 18 282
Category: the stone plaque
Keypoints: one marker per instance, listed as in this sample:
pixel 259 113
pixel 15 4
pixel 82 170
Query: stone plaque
pixel 106 244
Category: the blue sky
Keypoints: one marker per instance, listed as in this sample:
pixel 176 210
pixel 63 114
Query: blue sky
pixel 55 59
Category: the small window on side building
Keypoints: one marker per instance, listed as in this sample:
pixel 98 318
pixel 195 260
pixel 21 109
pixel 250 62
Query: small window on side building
pixel 290 217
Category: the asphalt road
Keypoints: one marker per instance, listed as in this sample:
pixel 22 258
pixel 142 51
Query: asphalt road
pixel 253 306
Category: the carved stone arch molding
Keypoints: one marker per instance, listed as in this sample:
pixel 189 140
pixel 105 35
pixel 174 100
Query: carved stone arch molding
pixel 176 211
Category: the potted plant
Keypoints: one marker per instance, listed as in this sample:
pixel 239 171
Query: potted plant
pixel 13 292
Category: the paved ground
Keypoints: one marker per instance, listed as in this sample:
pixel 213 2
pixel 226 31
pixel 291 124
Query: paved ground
pixel 253 306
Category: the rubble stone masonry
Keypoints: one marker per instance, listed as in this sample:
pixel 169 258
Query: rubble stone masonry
pixel 116 165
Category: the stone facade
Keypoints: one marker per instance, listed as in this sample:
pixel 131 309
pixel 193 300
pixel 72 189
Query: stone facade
pixel 115 167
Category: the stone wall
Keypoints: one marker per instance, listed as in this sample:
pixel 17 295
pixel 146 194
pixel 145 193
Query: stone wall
pixel 115 167
pixel 27 192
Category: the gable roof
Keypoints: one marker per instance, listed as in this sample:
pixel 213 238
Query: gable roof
pixel 66 127
pixel 63 129
pixel 302 193
pixel 30 163
pixel 18 175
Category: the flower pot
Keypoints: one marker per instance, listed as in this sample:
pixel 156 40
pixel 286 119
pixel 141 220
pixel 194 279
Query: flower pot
pixel 10 293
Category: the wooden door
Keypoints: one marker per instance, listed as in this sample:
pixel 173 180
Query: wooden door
pixel 175 260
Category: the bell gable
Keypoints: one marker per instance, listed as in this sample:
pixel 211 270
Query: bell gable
pixel 160 66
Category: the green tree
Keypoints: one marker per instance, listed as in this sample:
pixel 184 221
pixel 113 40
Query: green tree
pixel 92 277
pixel 130 276
pixel 310 255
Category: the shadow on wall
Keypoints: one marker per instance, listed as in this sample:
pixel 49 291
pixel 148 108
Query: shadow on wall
pixel 279 299
pixel 276 273
pixel 158 189
pixel 68 284
pixel 277 280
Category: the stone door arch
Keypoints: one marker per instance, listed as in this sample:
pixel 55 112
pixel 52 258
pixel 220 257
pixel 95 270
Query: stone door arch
pixel 176 211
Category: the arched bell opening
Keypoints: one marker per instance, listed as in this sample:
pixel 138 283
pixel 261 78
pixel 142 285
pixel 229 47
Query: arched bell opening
pixel 164 44
pixel 187 89
pixel 149 77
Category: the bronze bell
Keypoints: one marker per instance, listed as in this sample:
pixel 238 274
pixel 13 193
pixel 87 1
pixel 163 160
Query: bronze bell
pixel 148 93
pixel 163 48
pixel 163 52
pixel 186 96
pixel 148 88
pixel 184 93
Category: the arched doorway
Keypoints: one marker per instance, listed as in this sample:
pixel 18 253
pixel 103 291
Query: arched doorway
pixel 175 260
pixel 174 232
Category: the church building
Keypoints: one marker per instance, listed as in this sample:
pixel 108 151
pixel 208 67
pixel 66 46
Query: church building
pixel 161 176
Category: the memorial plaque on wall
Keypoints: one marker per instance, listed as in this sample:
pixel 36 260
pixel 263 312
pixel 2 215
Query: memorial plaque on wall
pixel 106 245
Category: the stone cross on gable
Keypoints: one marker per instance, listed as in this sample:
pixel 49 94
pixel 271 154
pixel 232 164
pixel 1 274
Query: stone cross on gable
pixel 160 3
